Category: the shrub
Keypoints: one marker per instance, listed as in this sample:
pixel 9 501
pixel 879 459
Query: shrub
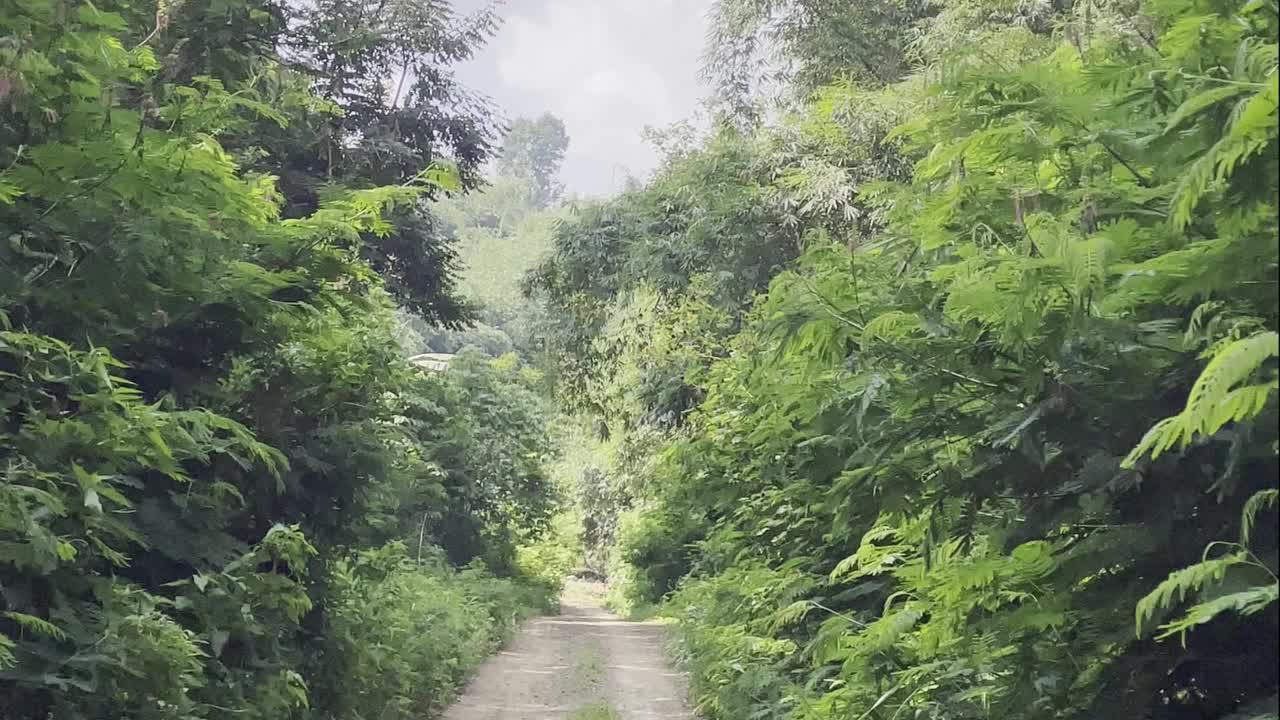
pixel 550 557
pixel 727 638
pixel 404 635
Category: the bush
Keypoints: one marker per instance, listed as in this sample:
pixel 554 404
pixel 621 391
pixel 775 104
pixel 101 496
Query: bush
pixel 404 635
pixel 652 553
pixel 549 558
pixel 729 640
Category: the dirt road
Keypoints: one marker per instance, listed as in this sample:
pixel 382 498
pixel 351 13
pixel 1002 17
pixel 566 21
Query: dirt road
pixel 584 664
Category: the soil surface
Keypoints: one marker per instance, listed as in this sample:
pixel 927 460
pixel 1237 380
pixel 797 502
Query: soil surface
pixel 584 664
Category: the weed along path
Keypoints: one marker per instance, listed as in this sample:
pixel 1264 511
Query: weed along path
pixel 583 664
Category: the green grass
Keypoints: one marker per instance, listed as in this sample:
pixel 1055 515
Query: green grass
pixel 595 711
pixel 590 666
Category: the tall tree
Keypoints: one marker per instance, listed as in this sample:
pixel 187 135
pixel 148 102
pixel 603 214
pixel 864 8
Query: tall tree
pixel 533 150
pixel 363 95
pixel 774 46
pixel 386 66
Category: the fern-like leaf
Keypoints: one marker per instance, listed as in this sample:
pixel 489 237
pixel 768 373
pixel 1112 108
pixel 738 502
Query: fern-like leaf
pixel 1246 602
pixel 1200 102
pixel 1252 129
pixel 36 625
pixel 1256 504
pixel 1214 400
pixel 1086 262
pixel 790 614
pixel 891 326
pixel 1180 583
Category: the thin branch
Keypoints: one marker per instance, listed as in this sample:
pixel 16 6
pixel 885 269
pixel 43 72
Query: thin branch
pixel 137 145
pixel 1142 179
pixel 16 157
pixel 404 70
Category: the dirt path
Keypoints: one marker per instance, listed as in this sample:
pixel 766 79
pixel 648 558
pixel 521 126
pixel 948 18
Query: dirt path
pixel 584 664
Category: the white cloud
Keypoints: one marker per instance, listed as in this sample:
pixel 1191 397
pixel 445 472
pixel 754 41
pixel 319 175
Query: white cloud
pixel 607 68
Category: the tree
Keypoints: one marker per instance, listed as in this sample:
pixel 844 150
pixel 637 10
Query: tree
pixel 361 95
pixel 793 47
pixel 533 149
pixel 386 65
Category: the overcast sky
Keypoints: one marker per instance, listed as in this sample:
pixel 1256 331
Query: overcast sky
pixel 608 68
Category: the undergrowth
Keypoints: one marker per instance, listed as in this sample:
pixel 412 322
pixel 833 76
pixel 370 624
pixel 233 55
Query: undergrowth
pixel 405 635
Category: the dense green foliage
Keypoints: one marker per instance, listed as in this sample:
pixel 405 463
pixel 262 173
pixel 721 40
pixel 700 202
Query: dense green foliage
pixel 1001 441
pixel 938 379
pixel 406 634
pixel 222 490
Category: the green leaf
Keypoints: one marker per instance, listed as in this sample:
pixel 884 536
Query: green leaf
pixel 445 177
pixel 1214 400
pixel 1245 602
pixel 1255 504
pixel 1200 102
pixel 1180 583
pixel 36 625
